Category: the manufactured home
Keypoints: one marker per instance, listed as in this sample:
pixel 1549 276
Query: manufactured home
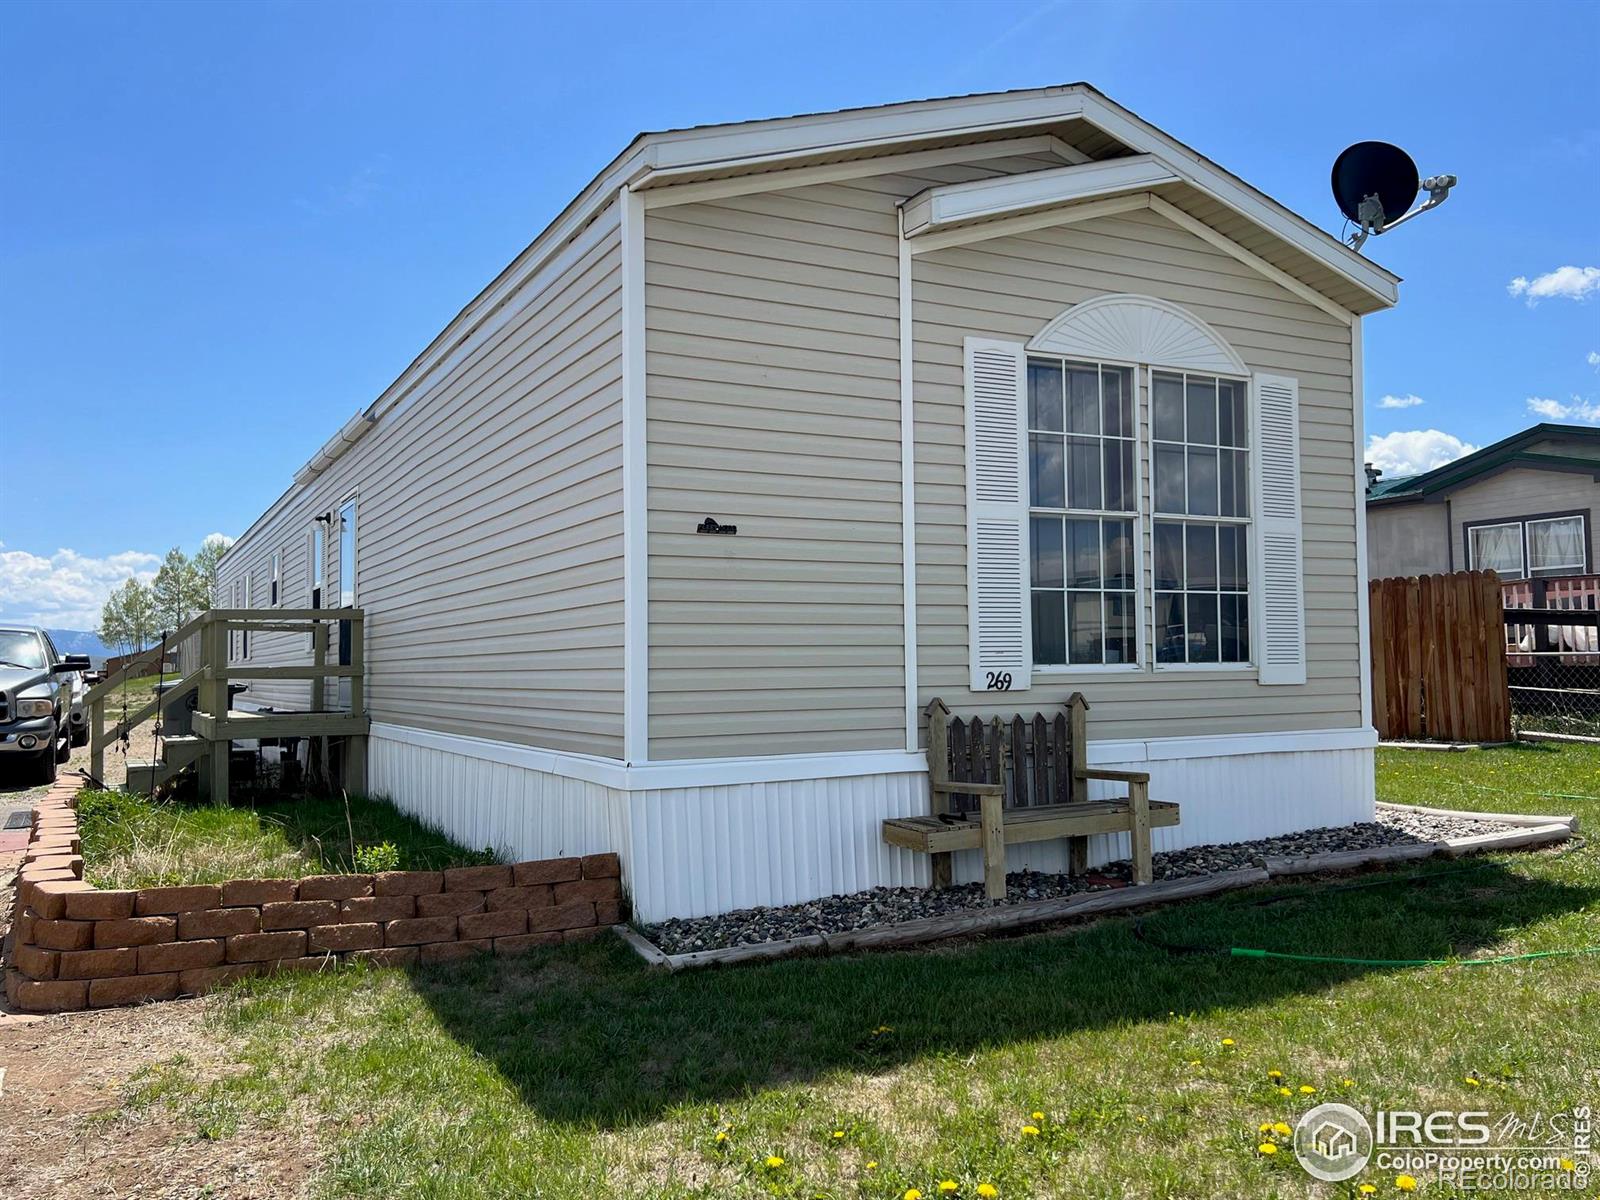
pixel 783 430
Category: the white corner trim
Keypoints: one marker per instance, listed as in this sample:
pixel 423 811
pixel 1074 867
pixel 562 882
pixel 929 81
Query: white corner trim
pixel 663 193
pixel 908 487
pixel 635 528
pixel 940 207
pixel 787 768
pixel 1363 604
pixel 1256 263
pixel 1049 218
pixel 1124 327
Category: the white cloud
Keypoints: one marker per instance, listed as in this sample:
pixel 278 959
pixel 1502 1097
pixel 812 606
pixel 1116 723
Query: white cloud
pixel 1578 409
pixel 1409 400
pixel 1413 451
pixel 1567 283
pixel 1594 359
pixel 218 537
pixel 68 589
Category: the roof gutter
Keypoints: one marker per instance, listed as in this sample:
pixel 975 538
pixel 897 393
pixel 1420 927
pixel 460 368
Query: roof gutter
pixel 336 447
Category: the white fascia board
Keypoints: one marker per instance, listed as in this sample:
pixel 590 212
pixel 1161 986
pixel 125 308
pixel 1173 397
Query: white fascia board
pixel 938 208
pixel 1227 189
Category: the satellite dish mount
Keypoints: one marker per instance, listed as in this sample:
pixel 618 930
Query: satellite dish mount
pixel 1371 180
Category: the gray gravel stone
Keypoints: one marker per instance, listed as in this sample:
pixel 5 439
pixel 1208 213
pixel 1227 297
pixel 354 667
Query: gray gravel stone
pixel 886 906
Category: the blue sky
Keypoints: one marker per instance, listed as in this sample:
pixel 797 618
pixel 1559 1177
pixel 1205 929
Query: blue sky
pixel 226 228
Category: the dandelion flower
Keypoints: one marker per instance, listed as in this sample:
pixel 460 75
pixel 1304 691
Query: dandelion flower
pixel 1037 1116
pixel 1367 1189
pixel 948 1185
pixel 1568 1165
pixel 1349 1083
pixel 1471 1082
pixel 838 1133
pixel 1307 1090
pixel 1194 1062
pixel 1282 1130
pixel 988 1191
pixel 722 1135
pixel 1264 1127
pixel 1283 1091
pixel 1267 1148
pixel 912 1194
pixel 1030 1131
pixel 1405 1183
pixel 873 1165
pixel 773 1162
pixel 1227 1041
pixel 1274 1074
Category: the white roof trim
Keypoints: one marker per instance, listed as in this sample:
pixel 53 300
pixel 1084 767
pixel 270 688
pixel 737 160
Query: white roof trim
pixel 353 430
pixel 950 204
pixel 1139 329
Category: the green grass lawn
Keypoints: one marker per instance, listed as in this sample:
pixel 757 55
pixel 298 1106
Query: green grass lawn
pixel 577 1073
pixel 134 841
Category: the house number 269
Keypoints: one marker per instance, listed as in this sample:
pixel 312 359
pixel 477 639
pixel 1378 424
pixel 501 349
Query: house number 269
pixel 999 681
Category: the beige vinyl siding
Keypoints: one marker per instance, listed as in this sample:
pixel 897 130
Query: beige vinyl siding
pixel 1520 493
pixel 489 532
pixel 1010 288
pixel 773 404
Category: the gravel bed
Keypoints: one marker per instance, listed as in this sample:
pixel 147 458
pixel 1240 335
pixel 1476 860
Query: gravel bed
pixel 887 906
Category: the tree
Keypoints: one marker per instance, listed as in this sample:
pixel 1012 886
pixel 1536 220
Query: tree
pixel 202 574
pixel 172 591
pixel 128 620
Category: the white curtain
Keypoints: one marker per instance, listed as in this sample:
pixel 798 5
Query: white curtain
pixel 1555 544
pixel 1498 548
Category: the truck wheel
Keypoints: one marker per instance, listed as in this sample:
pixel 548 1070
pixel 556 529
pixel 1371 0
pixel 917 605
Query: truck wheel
pixel 80 734
pixel 46 771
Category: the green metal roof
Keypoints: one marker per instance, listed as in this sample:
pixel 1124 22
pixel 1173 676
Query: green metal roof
pixel 1511 451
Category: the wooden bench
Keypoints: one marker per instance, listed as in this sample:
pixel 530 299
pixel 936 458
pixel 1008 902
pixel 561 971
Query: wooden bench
pixel 1001 783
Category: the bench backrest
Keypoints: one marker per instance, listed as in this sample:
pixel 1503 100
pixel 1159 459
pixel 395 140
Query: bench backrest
pixel 1037 758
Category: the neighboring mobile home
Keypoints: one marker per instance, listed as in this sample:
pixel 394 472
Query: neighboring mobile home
pixel 1523 507
pixel 784 428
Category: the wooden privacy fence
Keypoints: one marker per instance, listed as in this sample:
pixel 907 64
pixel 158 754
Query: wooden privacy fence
pixel 1439 658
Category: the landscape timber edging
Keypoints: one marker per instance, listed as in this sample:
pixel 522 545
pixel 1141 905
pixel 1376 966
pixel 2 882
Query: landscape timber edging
pixel 1531 831
pixel 74 946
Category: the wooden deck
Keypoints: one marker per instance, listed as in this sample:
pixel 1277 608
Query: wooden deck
pixel 930 835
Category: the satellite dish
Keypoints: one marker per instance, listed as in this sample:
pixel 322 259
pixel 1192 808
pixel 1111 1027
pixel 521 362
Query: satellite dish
pixel 1375 184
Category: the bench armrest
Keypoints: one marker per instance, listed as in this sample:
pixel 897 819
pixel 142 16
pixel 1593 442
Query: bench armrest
pixel 1113 776
pixel 969 789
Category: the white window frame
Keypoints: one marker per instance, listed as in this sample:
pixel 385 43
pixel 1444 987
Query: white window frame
pixel 1252 584
pixel 1522 545
pixel 1137 516
pixel 1578 568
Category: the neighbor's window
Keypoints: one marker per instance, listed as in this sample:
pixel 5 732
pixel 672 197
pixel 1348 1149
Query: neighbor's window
pixel 1200 455
pixel 277 577
pixel 1497 548
pixel 1083 504
pixel 1556 546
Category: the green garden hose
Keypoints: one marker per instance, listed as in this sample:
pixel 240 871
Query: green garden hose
pixel 1247 952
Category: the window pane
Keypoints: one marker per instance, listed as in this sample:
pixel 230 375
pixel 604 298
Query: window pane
pixel 1235 629
pixel 1119 558
pixel 1116 403
pixel 1049 628
pixel 1046 552
pixel 1234 467
pixel 1169 479
pixel 1232 420
pixel 1203 482
pixel 1083 627
pixel 1083 472
pixel 1083 554
pixel 1169 555
pixel 1201 556
pixel 1202 396
pixel 1498 548
pixel 1232 573
pixel 1121 643
pixel 1083 400
pixel 1119 491
pixel 1556 544
pixel 1166 404
pixel 1044 395
pixel 1169 627
pixel 1047 485
pixel 1204 641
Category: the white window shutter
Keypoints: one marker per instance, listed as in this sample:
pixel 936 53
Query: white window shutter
pixel 999 632
pixel 1281 606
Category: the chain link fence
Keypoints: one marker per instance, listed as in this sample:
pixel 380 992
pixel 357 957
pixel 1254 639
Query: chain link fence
pixel 1553 654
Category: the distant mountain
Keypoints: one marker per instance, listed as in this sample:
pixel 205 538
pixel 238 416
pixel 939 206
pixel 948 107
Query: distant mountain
pixel 80 641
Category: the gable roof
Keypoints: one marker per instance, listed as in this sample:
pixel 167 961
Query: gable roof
pixel 1514 451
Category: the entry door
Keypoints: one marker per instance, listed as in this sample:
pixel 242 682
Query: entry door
pixel 347 587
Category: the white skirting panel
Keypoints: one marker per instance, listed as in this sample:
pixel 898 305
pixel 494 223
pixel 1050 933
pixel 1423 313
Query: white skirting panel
pixel 522 812
pixel 689 851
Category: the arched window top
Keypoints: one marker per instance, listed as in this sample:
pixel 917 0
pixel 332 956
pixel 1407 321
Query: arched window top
pixel 1138 329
